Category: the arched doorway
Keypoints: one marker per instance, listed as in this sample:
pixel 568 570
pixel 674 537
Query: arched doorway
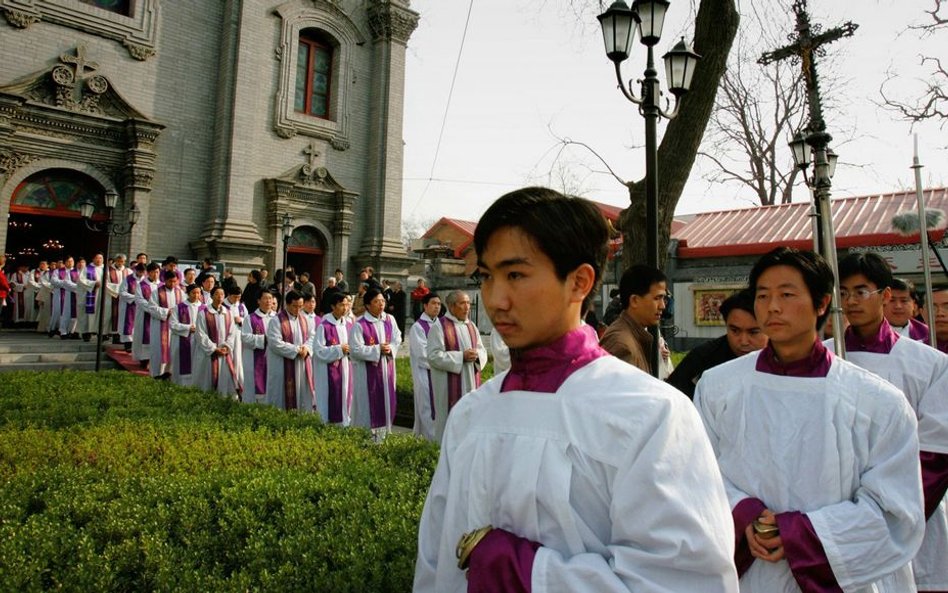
pixel 44 221
pixel 305 251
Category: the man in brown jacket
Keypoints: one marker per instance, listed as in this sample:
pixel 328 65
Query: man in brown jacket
pixel 642 293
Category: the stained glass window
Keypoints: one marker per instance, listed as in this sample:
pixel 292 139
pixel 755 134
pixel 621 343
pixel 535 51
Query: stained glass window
pixel 56 189
pixel 313 75
pixel 123 7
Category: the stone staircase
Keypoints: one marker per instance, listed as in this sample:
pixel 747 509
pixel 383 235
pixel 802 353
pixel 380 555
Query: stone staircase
pixel 26 350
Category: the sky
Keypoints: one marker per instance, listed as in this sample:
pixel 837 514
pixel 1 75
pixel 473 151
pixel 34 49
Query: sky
pixel 487 118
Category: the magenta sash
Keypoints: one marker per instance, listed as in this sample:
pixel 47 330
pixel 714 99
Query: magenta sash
pixel 184 342
pixel 20 296
pixel 165 337
pixel 426 327
pixel 374 377
pixel 334 374
pixel 129 325
pixel 90 296
pixel 289 372
pixel 211 323
pixel 258 328
pixel 74 277
pixel 62 289
pixel 451 342
pixel 114 279
pixel 146 318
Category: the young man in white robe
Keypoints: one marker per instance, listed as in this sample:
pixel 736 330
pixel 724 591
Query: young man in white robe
pixel 42 296
pixel 290 381
pixel 163 300
pixel 574 471
pixel 141 334
pixel 420 369
pixel 214 367
pixel 89 283
pixel 56 273
pixel 114 284
pixel 253 338
pixel 819 456
pixel 183 323
pixel 921 373
pixel 127 305
pixel 19 282
pixel 456 354
pixel 374 342
pixel 239 312
pixel 333 366
pixel 68 311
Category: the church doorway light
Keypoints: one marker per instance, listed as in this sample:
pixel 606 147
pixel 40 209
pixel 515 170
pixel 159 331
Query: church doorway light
pixel 44 221
pixel 305 253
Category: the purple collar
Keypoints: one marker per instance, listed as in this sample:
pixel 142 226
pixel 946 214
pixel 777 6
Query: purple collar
pixel 817 364
pixel 545 368
pixel 881 343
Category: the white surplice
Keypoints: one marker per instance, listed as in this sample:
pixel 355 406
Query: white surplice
pixel 186 330
pixel 921 373
pixel 88 323
pixel 421 376
pixel 363 354
pixel 616 482
pixel 203 353
pixel 56 300
pixel 157 314
pixel 843 449
pixel 67 316
pixel 279 350
pixel 42 294
pixel 444 361
pixel 250 343
pixel 141 351
pixel 126 300
pixel 113 292
pixel 326 354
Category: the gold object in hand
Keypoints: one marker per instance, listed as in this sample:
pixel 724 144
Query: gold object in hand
pixel 467 543
pixel 766 530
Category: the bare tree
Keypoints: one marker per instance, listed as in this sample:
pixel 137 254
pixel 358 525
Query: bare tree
pixel 932 104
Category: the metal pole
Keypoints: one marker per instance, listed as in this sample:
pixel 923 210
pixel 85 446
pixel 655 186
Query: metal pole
pixel 650 111
pixel 823 184
pixel 101 301
pixel 923 241
pixel 283 280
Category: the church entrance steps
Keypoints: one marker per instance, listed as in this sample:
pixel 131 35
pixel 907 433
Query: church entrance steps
pixel 29 351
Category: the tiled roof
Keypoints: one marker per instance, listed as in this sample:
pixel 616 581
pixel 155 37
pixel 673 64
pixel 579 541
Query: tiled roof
pixel 861 221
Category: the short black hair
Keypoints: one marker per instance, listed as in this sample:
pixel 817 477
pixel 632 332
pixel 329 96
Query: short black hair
pixel 742 299
pixel 292 296
pixel 153 266
pixel 140 267
pixel 907 285
pixel 638 280
pixel 816 273
pixel 570 231
pixel 308 296
pixel 190 288
pixel 370 295
pixel 232 290
pixel 256 275
pixel 169 274
pixel 427 298
pixel 871 265
pixel 216 288
pixel 335 297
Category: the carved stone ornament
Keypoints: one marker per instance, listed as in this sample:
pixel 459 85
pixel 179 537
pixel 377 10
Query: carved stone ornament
pixel 11 161
pixel 77 89
pixel 19 19
pixel 392 22
pixel 339 144
pixel 138 51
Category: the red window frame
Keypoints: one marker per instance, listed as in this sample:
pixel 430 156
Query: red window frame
pixel 314 43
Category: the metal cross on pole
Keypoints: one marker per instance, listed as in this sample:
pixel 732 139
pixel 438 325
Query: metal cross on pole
pixel 807 47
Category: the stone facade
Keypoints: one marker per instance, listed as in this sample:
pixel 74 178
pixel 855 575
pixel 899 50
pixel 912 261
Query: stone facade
pixel 186 109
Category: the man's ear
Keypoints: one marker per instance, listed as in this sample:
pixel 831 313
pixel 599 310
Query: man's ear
pixel 582 280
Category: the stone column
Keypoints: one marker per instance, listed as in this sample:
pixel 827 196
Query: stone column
pixel 392 23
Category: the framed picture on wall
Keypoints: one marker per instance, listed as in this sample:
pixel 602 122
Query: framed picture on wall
pixel 708 301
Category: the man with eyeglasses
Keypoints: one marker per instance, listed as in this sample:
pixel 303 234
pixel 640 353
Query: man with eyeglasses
pixel 901 309
pixel 940 304
pixel 921 373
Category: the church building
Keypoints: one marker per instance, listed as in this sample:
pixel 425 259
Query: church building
pixel 213 120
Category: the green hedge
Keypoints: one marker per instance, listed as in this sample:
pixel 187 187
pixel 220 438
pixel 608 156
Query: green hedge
pixel 120 483
pixel 405 414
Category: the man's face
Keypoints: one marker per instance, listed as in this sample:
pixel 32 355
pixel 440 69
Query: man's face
pixel 195 294
pixel 217 297
pixel 433 308
pixel 265 302
pixel 647 309
pixel 208 284
pixel 338 276
pixel 153 275
pixel 900 308
pixel 119 262
pixel 528 303
pixel 309 306
pixel 98 259
pixel 331 282
pixel 142 259
pixel 784 307
pixel 862 312
pixel 43 266
pixel 293 307
pixel 69 263
pixel 461 308
pixel 233 299
pixel 743 332
pixel 376 305
pixel 171 282
pixel 940 304
pixel 364 275
pixel 339 310
pixel 189 276
pixel 264 274
pixel 348 301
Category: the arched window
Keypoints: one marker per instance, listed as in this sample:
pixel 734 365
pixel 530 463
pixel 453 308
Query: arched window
pixel 122 7
pixel 313 74
pixel 56 192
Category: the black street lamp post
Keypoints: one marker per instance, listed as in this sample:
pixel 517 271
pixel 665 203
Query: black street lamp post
pixel 287 234
pixel 110 228
pixel 619 24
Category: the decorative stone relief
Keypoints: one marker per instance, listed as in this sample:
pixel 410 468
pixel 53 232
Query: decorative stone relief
pixel 392 22
pixel 11 161
pixel 138 32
